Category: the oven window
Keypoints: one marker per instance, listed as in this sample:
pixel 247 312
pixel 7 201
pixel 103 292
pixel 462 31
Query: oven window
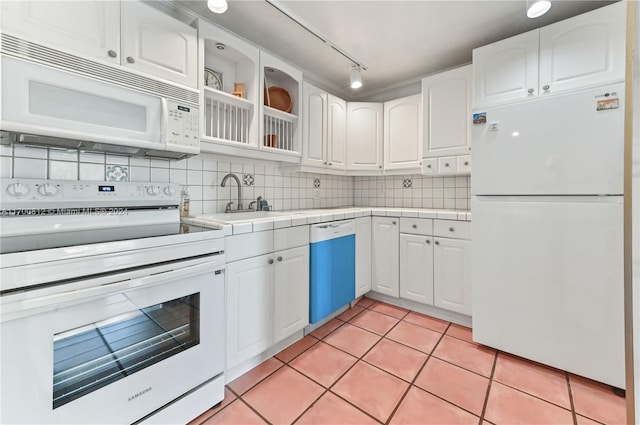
pixel 88 358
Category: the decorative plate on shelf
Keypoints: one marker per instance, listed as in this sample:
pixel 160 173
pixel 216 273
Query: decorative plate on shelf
pixel 213 79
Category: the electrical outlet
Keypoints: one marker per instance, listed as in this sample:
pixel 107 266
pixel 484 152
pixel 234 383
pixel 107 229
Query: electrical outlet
pixel 381 189
pixel 316 193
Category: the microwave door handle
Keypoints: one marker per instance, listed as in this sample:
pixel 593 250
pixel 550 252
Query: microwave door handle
pixel 165 120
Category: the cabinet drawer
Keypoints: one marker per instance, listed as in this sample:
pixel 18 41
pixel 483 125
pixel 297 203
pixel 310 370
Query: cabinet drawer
pixel 447 165
pixel 464 164
pixel 290 237
pixel 249 245
pixel 430 166
pixel 416 226
pixel 452 229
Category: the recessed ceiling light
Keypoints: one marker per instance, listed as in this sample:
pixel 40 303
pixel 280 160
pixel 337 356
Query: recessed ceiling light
pixel 220 46
pixel 217 6
pixel 537 8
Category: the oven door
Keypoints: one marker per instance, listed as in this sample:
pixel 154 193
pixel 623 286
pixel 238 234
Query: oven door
pixel 112 349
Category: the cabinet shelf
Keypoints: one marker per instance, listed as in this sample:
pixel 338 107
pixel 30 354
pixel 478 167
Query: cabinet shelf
pixel 279 130
pixel 227 117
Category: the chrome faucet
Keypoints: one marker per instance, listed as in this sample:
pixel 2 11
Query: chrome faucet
pixel 257 204
pixel 224 181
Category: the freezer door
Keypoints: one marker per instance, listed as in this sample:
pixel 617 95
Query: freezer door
pixel 547 281
pixel 567 144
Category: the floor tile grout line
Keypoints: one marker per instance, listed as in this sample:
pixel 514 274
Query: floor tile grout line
pixel 520 390
pixel 265 377
pixel 412 384
pixel 486 398
pixel 246 403
pixel 573 408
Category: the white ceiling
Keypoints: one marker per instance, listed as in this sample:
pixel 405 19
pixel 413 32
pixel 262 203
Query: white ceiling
pixel 398 41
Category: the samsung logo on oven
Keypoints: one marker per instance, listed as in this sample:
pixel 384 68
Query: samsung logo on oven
pixel 136 395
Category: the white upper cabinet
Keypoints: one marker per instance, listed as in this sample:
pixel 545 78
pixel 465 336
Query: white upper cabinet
pixel 87 28
pixel 403 133
pixel 129 33
pixel 314 126
pixel 157 44
pixel 337 133
pixel 324 129
pixel 446 108
pixel 281 107
pixel 228 65
pixel 364 137
pixel 583 51
pixel 506 71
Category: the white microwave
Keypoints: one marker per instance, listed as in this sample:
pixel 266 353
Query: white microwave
pixel 49 105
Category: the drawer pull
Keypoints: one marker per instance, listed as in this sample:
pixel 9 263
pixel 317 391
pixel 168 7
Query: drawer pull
pixel 415 226
pixel 112 53
pixel 270 261
pixel 130 59
pixel 279 258
pixel 437 243
pixel 394 223
pixel 545 87
pixel 428 241
pixel 446 164
pixel 428 165
pixel 451 229
pixel 530 91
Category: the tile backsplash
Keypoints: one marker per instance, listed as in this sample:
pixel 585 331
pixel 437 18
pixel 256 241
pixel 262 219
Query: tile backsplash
pixel 202 176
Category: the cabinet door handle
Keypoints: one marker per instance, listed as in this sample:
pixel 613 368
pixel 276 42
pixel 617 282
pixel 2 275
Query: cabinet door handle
pixel 112 53
pixel 415 226
pixel 428 241
pixel 379 166
pixel 545 87
pixel 446 164
pixel 330 164
pixel 530 91
pixel 428 165
pixel 393 222
pixel 437 243
pixel 325 163
pixel 270 260
pixel 466 163
pixel 130 59
pixel 451 229
pixel 279 258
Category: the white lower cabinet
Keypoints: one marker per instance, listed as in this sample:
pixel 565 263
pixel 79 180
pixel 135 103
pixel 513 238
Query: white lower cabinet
pixel 452 267
pixel 416 268
pixel 363 255
pixel 385 253
pixel 267 296
pixel 290 292
pixel 249 291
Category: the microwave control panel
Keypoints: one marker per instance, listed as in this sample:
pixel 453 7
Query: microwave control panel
pixel 182 125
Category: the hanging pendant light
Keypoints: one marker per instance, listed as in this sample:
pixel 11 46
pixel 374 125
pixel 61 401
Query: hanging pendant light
pixel 217 6
pixel 537 8
pixel 356 78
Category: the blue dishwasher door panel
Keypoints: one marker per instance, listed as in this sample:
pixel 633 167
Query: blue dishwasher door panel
pixel 332 276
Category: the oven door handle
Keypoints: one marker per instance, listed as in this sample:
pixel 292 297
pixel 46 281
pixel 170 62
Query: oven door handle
pixel 13 310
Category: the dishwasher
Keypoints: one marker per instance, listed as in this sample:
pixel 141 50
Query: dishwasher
pixel 332 267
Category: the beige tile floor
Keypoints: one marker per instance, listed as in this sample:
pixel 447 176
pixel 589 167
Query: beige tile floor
pixel 380 364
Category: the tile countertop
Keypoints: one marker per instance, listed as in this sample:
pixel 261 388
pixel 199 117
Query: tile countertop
pixel 292 218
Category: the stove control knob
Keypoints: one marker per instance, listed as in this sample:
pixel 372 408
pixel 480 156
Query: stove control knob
pixel 48 190
pixel 169 191
pixel 17 189
pixel 153 190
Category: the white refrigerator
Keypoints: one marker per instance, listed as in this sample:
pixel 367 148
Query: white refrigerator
pixel 547 234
